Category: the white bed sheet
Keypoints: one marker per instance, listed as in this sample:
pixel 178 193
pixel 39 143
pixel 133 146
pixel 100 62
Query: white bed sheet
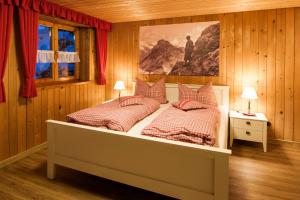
pixel 138 127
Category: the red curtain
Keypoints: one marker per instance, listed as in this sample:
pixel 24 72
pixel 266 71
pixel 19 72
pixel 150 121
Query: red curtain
pixel 6 15
pixel 28 20
pixel 101 52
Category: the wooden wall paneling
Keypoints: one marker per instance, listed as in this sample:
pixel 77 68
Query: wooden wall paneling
pixel 238 60
pixel 135 54
pixel 56 102
pixel 81 97
pixel 296 77
pixel 253 65
pixel 62 103
pixel 4 133
pixel 102 94
pixel 123 74
pixel 85 95
pixel 271 71
pixel 223 50
pixel 72 98
pixel 130 59
pixel 117 68
pixel 89 95
pixel 67 101
pixel 50 104
pixel 30 123
pixel 93 61
pixel 229 28
pixel 262 60
pixel 125 55
pixel 37 118
pixel 93 95
pixel 12 99
pixel 96 94
pixel 100 91
pixel 44 113
pixel 256 49
pixel 109 64
pixel 21 125
pixel 21 122
pixel 279 79
pixel 77 97
pixel 246 70
pixel 289 75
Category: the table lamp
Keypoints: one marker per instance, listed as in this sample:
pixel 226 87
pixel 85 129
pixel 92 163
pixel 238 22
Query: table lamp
pixel 249 93
pixel 119 85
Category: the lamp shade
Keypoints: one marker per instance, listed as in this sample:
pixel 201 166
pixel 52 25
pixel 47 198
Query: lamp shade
pixel 249 93
pixel 119 85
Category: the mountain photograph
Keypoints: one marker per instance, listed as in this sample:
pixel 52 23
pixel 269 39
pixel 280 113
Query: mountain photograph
pixel 190 49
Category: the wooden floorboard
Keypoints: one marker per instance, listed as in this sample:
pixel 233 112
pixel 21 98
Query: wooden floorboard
pixel 254 175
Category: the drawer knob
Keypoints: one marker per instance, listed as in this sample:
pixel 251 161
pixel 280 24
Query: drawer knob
pixel 248 133
pixel 248 123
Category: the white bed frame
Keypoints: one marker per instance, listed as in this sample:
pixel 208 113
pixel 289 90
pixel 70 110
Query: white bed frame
pixel 176 169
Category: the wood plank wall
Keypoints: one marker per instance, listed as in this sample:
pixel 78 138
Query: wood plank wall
pixel 258 48
pixel 22 122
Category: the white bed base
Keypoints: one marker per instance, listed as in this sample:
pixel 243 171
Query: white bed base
pixel 176 169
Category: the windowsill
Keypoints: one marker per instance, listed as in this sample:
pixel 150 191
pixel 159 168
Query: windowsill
pixel 61 83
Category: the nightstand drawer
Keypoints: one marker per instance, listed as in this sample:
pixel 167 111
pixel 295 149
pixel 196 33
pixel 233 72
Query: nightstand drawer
pixel 248 134
pixel 248 124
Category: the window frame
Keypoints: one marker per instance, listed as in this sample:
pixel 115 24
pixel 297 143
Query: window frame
pixel 54 47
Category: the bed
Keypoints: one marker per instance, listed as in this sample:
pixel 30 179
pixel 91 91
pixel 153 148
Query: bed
pixel 176 169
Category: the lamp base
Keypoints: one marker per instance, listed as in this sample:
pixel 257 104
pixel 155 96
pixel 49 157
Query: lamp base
pixel 249 114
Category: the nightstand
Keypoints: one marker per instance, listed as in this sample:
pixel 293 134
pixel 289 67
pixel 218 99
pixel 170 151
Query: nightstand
pixel 250 128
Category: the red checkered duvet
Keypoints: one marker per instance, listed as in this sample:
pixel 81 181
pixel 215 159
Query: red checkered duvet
pixel 112 116
pixel 194 126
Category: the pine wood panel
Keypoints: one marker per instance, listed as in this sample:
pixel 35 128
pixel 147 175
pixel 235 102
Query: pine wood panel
pixel 22 129
pixel 296 77
pixel 257 48
pixel 289 75
pixel 137 10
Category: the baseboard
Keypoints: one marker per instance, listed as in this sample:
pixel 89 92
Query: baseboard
pixel 22 155
pixel 284 142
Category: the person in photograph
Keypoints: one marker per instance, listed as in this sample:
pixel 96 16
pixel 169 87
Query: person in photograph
pixel 189 46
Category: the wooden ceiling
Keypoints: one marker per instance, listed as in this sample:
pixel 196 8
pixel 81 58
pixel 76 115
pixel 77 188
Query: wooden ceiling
pixel 137 10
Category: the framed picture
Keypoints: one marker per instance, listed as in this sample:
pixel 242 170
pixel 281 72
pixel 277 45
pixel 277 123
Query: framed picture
pixel 190 49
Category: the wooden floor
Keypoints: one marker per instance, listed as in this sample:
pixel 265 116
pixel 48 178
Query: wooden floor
pixel 253 175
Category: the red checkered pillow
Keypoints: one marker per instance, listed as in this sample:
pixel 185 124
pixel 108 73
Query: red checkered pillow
pixel 156 91
pixel 189 105
pixel 131 100
pixel 205 94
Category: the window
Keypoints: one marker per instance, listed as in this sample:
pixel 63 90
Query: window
pixel 66 42
pixel 57 38
pixel 44 70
